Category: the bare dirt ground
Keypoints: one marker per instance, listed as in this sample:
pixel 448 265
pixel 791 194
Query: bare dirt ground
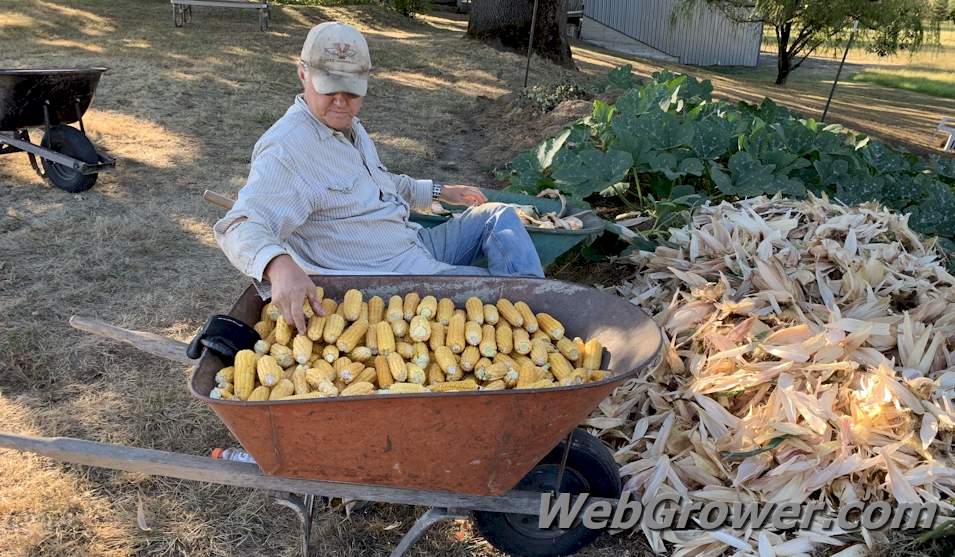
pixel 180 109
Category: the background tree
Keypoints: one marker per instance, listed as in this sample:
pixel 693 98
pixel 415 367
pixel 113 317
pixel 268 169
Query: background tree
pixel 507 24
pixel 943 9
pixel 803 26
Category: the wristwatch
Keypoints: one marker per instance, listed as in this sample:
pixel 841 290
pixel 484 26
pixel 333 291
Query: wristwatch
pixel 435 190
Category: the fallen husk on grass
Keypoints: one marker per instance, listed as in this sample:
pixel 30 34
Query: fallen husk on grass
pixel 808 357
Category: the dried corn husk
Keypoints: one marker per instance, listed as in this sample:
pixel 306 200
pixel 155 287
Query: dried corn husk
pixel 531 216
pixel 809 354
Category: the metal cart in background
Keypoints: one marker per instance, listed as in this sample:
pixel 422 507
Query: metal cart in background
pixel 182 10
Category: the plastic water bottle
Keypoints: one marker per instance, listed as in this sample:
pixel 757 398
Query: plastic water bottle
pixel 234 453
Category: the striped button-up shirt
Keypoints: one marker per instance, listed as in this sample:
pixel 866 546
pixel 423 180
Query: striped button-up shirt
pixel 328 203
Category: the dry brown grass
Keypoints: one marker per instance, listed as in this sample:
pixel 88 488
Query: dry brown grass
pixel 180 110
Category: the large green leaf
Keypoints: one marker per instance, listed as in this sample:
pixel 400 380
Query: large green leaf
pixel 526 163
pixel 882 158
pixel 859 188
pixel 563 159
pixel 622 77
pixel 695 92
pixel 675 169
pixel 692 166
pixel 665 130
pixel 912 187
pixel 936 212
pixel 526 172
pixel 784 161
pixel 834 144
pixel 632 139
pixel 767 111
pixel 545 151
pixel 596 171
pixel 944 167
pixel 640 101
pixel 603 112
pixel 831 170
pixel 757 141
pixel 748 177
pixel 662 76
pixel 790 187
pixel 571 174
pixel 629 103
pixel 797 138
pixel 712 137
pixel 579 135
pixel 667 164
pixel 682 190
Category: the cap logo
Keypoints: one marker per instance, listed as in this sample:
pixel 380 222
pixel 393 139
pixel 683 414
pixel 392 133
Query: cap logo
pixel 342 53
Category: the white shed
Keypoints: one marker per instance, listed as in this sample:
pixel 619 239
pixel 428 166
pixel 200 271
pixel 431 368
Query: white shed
pixel 708 38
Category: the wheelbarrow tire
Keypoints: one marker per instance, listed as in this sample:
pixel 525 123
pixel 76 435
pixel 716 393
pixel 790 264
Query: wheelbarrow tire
pixel 69 141
pixel 590 469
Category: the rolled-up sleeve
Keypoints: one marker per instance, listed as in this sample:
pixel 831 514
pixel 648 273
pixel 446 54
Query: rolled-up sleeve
pixel 416 192
pixel 248 245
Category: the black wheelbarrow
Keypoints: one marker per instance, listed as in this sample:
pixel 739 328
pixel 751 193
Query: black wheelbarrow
pixel 52 99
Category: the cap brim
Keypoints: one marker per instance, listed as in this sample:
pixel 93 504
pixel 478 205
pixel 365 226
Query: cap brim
pixel 326 83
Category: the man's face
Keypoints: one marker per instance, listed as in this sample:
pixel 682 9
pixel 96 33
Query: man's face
pixel 334 110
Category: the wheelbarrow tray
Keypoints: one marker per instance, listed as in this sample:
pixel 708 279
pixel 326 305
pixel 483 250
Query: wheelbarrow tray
pixel 480 443
pixel 550 243
pixel 23 93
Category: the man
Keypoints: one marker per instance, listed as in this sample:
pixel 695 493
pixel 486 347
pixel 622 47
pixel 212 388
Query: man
pixel 318 200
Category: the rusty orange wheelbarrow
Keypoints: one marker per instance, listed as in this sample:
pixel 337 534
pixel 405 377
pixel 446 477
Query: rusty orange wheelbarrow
pixel 490 454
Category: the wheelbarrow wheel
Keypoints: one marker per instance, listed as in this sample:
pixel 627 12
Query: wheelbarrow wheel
pixel 73 143
pixel 590 469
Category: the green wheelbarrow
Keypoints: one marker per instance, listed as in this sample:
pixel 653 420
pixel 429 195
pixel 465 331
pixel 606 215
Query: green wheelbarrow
pixel 550 243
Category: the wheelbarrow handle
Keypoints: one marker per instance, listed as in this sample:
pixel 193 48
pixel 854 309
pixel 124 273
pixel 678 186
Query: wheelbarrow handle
pixel 150 343
pixel 220 200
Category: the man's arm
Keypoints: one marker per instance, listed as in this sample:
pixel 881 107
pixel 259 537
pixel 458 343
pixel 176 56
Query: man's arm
pixel 462 195
pixel 273 203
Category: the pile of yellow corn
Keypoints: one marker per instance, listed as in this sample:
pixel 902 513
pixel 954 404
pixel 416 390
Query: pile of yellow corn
pixel 409 344
pixel 809 356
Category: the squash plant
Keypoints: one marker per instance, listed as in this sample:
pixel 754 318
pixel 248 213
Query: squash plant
pixel 668 145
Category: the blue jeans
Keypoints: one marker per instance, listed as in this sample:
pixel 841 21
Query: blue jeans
pixel 491 230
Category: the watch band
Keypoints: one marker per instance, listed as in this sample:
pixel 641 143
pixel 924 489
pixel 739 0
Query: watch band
pixel 435 190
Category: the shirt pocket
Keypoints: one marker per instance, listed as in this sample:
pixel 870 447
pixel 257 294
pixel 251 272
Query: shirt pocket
pixel 344 185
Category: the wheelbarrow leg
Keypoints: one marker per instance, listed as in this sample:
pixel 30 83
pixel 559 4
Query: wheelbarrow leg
pixel 427 520
pixel 25 136
pixel 302 505
pixel 79 115
pixel 559 484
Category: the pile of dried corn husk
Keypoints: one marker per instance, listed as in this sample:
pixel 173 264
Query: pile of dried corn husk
pixel 828 326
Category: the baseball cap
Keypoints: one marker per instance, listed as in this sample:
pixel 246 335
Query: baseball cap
pixel 337 58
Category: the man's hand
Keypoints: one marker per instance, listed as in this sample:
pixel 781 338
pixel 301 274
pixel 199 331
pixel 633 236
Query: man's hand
pixel 462 195
pixel 290 286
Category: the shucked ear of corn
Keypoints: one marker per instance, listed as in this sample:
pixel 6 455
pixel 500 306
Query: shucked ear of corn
pixel 808 355
pixel 343 348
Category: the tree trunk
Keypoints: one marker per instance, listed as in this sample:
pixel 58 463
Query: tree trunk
pixel 784 56
pixel 506 24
